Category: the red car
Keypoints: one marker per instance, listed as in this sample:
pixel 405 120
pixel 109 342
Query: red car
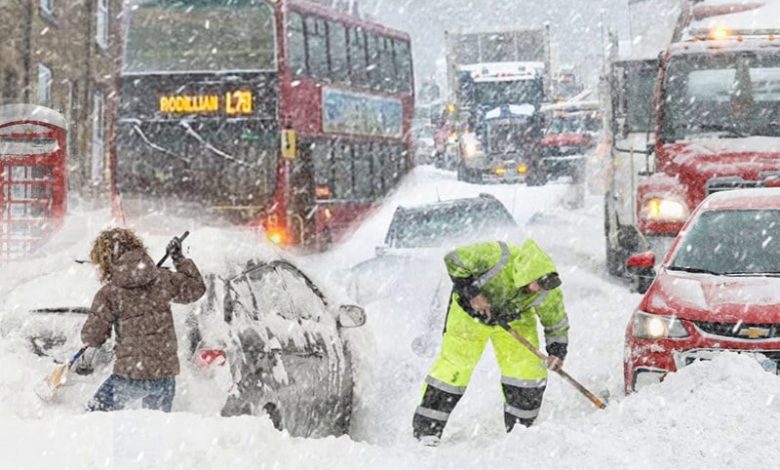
pixel 718 288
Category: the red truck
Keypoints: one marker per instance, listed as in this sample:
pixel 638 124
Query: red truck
pixel 717 123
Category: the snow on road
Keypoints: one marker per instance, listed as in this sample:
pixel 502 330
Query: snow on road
pixel 714 415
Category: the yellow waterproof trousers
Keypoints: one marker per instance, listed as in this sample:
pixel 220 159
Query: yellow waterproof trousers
pixel 523 375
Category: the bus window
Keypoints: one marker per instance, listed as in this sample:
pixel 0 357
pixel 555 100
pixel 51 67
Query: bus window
pixel 342 181
pixel 322 159
pixel 296 44
pixel 404 62
pixel 177 37
pixel 338 52
pixel 357 57
pixel 374 69
pixel 364 183
pixel 317 47
pixel 379 159
pixel 387 65
pixel 390 168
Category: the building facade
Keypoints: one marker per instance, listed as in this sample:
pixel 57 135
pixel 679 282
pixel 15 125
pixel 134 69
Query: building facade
pixel 63 54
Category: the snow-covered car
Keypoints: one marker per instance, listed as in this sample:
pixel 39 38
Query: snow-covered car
pixel 410 260
pixel 283 340
pixel 264 330
pixel 717 289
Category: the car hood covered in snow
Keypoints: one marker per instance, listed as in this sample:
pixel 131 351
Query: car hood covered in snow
pixel 722 299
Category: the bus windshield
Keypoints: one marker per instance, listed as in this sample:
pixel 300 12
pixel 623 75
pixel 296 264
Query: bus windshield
pixel 200 36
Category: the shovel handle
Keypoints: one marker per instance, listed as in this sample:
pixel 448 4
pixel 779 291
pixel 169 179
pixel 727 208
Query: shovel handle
pixel 181 239
pixel 580 388
pixel 76 356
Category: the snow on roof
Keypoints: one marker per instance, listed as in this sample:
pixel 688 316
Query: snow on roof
pixel 31 112
pixel 762 16
pixel 751 198
pixel 503 71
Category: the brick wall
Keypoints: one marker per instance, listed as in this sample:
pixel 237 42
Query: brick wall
pixel 63 43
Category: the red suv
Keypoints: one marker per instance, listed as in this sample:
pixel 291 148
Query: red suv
pixel 718 288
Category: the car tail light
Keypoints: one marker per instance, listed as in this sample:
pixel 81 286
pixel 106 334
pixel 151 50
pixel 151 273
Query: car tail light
pixel 210 357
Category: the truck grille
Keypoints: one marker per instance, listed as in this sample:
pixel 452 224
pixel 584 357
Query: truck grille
pixel 744 331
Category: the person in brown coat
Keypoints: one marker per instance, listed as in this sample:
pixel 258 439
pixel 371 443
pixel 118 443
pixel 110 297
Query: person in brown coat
pixel 135 302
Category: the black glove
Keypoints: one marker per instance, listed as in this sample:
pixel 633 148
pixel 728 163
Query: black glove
pixel 174 250
pixel 558 350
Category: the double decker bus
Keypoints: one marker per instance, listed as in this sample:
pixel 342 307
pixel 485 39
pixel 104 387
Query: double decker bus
pixel 285 114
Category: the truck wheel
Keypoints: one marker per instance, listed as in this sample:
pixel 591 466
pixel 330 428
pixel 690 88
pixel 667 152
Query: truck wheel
pixel 617 252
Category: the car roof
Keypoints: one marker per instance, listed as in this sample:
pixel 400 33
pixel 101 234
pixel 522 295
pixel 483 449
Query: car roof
pixel 752 198
pixel 466 201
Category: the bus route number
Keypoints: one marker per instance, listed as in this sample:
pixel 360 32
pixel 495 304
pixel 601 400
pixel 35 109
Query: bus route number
pixel 238 102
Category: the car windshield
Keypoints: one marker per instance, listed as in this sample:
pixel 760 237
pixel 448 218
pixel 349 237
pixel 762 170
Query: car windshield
pixel 732 242
pixel 432 226
pixel 732 94
pixel 202 35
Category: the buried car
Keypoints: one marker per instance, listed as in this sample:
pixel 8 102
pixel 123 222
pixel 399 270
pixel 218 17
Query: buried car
pixel 263 324
pixel 717 289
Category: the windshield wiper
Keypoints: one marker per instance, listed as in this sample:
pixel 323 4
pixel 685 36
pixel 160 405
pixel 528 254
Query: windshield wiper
pixel 689 269
pixel 730 131
pixel 757 274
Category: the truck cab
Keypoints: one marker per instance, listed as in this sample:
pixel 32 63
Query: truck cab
pixel 715 127
pixel 500 120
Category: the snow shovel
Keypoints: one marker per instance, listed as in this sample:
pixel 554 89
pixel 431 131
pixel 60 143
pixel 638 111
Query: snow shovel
pixel 590 395
pixel 165 258
pixel 48 387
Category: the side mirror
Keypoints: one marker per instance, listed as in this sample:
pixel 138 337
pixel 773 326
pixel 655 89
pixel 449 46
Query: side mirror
pixel 641 269
pixel 351 316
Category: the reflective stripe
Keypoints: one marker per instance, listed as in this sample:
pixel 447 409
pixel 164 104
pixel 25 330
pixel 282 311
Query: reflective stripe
pixel 560 325
pixel 445 387
pixel 523 414
pixel 455 258
pixel 490 275
pixel 534 383
pixel 556 339
pixel 540 299
pixel 432 414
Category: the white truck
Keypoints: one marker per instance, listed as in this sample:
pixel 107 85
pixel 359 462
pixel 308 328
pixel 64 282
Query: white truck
pixel 497 83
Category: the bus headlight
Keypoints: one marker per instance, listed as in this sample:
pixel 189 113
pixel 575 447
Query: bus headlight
pixel 664 210
pixel 649 326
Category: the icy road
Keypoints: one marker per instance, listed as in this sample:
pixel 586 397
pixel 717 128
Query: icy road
pixel 721 414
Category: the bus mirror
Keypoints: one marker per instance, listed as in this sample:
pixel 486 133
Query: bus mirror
pixel 289 144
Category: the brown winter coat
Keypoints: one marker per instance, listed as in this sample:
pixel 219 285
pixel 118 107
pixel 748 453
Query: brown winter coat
pixel 136 303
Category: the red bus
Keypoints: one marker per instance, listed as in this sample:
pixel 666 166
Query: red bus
pixel 282 113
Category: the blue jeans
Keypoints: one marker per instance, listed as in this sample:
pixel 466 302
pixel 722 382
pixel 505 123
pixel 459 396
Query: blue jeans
pixel 116 392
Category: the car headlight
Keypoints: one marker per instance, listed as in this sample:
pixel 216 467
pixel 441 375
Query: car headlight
pixel 522 169
pixel 664 210
pixel 500 171
pixel 650 326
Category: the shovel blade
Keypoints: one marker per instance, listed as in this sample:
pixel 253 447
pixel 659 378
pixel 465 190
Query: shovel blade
pixel 47 388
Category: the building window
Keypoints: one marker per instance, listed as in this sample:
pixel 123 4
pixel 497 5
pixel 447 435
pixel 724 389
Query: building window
pixel 44 85
pixel 10 86
pixel 47 6
pixel 101 31
pixel 98 136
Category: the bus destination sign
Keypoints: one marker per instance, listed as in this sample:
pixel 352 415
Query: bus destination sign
pixel 232 103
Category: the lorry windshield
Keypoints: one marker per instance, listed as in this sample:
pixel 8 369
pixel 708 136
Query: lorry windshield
pixel 728 94
pixel 203 35
pixel 732 242
pixel 493 94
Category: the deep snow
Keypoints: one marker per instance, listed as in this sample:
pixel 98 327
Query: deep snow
pixel 720 414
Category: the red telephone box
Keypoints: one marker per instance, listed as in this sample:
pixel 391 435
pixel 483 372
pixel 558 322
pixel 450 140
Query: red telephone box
pixel 33 177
